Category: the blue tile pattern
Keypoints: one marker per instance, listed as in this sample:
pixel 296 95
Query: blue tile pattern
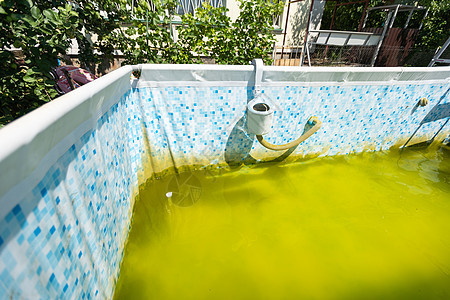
pixel 206 125
pixel 65 239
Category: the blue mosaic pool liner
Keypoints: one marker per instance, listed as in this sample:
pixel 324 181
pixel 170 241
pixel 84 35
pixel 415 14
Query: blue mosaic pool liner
pixel 207 125
pixel 65 238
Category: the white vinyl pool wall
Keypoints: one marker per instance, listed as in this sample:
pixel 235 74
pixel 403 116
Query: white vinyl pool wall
pixel 70 170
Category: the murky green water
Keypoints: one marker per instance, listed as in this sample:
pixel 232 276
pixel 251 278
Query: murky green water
pixel 366 226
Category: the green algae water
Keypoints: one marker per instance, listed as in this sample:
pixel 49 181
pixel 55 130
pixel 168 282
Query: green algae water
pixel 364 226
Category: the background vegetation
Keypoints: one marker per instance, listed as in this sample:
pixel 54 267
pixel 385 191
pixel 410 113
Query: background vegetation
pixel 43 30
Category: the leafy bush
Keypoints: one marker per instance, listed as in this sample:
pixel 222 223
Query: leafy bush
pixel 436 27
pixel 43 30
pixel 210 32
pixel 42 34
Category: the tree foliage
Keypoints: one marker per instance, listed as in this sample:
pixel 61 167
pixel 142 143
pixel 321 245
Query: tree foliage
pixel 42 33
pixel 436 27
pixel 44 30
pixel 347 17
pixel 211 33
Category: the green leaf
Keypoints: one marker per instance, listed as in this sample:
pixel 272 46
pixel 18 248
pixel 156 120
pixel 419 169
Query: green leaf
pixel 35 12
pixel 52 16
pixel 27 3
pixel 29 79
pixel 37 92
pixel 29 20
pixel 31 71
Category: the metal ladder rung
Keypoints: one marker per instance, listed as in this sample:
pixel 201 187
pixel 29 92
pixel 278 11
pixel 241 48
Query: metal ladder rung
pixel 437 56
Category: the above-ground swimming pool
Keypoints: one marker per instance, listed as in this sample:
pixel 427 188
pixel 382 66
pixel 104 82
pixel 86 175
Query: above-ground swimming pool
pixel 217 214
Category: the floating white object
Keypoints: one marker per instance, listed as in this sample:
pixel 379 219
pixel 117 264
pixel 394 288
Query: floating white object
pixel 259 115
